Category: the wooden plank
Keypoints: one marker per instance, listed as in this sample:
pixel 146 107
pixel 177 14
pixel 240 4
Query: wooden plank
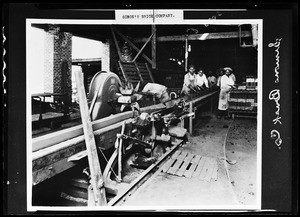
pixel 79 183
pixel 54 138
pixel 210 170
pixel 47 172
pixel 169 163
pixel 94 163
pixel 50 139
pixel 67 197
pixel 192 37
pixel 129 66
pixel 175 167
pixel 176 154
pixel 120 152
pixel 204 171
pixel 199 167
pixel 49 155
pixel 77 192
pixel 131 73
pixel 194 162
pixel 186 163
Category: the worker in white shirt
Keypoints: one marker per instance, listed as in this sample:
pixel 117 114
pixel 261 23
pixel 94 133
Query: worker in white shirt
pixel 189 83
pixel 226 84
pixel 201 80
pixel 159 91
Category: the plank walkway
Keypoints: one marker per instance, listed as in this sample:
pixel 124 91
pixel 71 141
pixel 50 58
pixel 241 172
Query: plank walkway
pixel 192 166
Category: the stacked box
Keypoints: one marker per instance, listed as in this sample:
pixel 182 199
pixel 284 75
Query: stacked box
pixel 243 100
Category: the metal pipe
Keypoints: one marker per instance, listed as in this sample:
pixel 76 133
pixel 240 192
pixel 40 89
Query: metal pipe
pixel 191 118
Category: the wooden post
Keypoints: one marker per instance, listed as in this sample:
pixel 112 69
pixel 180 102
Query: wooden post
pixel 186 54
pixel 94 164
pixel 153 29
pixel 120 152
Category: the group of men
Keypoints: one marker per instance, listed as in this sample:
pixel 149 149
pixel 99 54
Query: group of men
pixel 195 82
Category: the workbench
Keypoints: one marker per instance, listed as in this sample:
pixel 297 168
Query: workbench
pixel 51 117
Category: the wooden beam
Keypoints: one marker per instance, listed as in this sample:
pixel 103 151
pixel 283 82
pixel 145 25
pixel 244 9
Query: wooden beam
pixel 116 43
pixel 204 36
pixel 132 45
pixel 97 181
pixel 50 139
pixel 120 152
pixel 57 157
pixel 138 71
pixel 186 55
pixel 141 50
pixel 153 46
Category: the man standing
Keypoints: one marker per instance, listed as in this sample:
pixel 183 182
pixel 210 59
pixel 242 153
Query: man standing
pixel 226 84
pixel 189 83
pixel 201 80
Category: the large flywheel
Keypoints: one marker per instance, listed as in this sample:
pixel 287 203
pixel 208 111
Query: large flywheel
pixel 102 91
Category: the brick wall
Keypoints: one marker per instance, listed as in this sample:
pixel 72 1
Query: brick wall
pixel 58 49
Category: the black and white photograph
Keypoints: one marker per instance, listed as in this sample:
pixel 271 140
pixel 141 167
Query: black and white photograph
pixel 156 110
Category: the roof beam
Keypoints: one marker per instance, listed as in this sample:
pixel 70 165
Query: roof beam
pixel 193 37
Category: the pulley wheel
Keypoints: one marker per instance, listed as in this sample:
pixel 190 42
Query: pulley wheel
pixel 102 90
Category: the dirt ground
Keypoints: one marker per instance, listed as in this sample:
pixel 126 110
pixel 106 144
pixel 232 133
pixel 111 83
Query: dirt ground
pixel 241 146
pixel 237 187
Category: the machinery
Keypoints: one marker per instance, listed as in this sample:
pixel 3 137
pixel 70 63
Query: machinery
pixel 107 95
pixel 121 128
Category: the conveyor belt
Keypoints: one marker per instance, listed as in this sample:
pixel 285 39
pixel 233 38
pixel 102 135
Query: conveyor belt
pixel 51 152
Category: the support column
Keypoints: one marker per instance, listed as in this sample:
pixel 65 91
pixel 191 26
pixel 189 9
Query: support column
pixel 58 63
pixel 105 58
pixel 186 54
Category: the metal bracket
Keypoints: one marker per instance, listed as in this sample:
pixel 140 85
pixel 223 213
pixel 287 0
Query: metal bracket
pixel 194 113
